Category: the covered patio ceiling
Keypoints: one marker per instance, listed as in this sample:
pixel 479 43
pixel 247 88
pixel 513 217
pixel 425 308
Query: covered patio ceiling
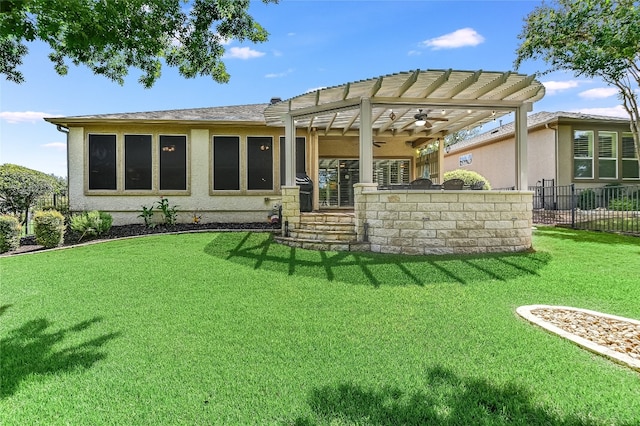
pixel 453 101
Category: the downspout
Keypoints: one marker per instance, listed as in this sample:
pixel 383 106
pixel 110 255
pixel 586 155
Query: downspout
pixel 556 149
pixel 65 130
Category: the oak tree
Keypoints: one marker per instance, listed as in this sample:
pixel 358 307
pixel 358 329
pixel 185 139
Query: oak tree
pixel 113 36
pixel 591 38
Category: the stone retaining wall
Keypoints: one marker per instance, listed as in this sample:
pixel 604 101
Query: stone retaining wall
pixel 443 222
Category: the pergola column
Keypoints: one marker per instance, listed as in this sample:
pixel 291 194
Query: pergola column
pixel 289 150
pixel 522 176
pixel 366 142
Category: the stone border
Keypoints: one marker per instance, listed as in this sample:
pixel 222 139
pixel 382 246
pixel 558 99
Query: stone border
pixel 619 357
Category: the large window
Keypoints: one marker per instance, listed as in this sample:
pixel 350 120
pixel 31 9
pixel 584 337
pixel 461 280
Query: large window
pixel 607 155
pixel 226 163
pixel 102 162
pixel 301 155
pixel 630 169
pixel 173 162
pixel 259 163
pixel 137 162
pixel 583 154
pixel 389 172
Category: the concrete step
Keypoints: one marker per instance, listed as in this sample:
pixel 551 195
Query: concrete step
pixel 323 235
pixel 324 245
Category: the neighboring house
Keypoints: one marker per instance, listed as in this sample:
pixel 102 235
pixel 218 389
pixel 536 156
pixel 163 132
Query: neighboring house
pixel 586 150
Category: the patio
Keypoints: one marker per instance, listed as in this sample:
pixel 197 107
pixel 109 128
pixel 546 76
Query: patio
pixel 401 220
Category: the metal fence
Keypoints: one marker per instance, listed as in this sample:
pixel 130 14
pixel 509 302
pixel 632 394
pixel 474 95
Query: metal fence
pixel 609 208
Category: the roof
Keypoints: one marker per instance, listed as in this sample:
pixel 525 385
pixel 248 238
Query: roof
pixel 452 99
pixel 253 113
pixel 533 121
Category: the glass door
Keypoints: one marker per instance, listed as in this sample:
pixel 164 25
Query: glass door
pixel 336 178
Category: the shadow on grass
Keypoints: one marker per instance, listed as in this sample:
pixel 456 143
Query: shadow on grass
pixel 448 400
pixel 586 236
pixel 30 351
pixel 259 251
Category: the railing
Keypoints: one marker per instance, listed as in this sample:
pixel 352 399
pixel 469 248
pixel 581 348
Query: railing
pixel 608 208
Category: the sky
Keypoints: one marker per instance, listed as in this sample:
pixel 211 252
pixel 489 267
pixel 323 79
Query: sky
pixel 312 44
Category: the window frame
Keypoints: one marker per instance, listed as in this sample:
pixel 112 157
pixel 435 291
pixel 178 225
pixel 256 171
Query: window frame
pixel 247 164
pixel 591 151
pixel 614 148
pixel 187 162
pixel 212 167
pixel 124 164
pixel 87 165
pixel 625 159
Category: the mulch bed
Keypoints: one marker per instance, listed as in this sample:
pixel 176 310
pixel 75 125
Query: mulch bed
pixel 28 244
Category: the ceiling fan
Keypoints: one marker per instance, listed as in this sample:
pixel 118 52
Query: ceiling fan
pixel 378 144
pixel 422 119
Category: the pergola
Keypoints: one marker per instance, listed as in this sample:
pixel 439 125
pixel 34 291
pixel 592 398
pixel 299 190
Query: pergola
pixel 386 106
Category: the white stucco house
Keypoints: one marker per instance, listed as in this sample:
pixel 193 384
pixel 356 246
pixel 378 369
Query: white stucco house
pixel 233 163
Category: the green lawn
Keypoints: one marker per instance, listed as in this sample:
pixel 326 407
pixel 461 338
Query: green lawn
pixel 230 328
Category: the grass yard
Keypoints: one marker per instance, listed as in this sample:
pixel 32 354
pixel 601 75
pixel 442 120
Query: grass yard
pixel 232 329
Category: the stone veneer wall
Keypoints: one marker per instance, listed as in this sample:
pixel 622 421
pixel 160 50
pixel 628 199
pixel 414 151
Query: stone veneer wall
pixel 290 207
pixel 443 222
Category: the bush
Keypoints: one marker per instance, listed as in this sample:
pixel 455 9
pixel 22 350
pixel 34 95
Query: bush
pixel 625 204
pixel 587 200
pixel 9 233
pixel 468 176
pixel 49 228
pixel 93 223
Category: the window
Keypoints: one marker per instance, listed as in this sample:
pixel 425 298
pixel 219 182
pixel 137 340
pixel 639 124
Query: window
pixel 301 155
pixel 389 172
pixel 102 162
pixel 583 154
pixel 607 155
pixel 173 162
pixel 226 163
pixel 259 163
pixel 137 162
pixel 630 169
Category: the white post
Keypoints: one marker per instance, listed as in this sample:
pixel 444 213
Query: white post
pixel 522 176
pixel 289 150
pixel 366 142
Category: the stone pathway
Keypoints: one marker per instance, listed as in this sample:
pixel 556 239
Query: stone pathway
pixel 615 337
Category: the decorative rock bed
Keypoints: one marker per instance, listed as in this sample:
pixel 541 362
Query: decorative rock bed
pixel 615 337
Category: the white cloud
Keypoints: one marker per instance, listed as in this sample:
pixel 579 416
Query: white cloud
pixel 460 38
pixel 315 88
pixel 414 53
pixel 58 146
pixel 243 53
pixel 291 34
pixel 599 93
pixel 553 87
pixel 616 111
pixel 279 75
pixel 14 117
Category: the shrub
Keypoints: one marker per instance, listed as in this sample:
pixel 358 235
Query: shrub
pixel 49 228
pixel 9 233
pixel 587 200
pixel 93 223
pixel 170 213
pixel 147 216
pixel 625 204
pixel 468 176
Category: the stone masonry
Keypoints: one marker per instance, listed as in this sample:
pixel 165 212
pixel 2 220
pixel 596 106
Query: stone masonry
pixel 443 222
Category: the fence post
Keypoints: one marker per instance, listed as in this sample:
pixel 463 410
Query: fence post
pixel 573 206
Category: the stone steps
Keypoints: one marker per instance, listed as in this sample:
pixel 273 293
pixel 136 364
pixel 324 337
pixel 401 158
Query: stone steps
pixel 325 231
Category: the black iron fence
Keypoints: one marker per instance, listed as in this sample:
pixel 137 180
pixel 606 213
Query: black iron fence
pixel 609 208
